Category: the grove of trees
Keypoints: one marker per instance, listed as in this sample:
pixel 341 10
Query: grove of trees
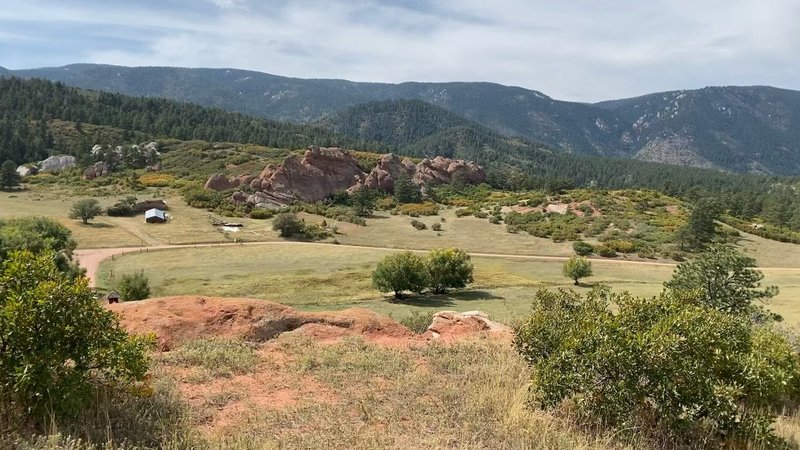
pixel 441 270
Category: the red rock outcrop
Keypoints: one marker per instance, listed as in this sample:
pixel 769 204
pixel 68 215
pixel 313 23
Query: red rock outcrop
pixel 389 168
pixel 441 170
pixel 320 172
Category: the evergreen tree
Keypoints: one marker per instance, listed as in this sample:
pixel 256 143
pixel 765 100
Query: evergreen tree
pixel 8 175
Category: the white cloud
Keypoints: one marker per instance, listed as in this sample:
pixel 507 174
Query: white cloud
pixel 580 49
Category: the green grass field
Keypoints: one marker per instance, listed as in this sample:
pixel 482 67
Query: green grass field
pixel 324 277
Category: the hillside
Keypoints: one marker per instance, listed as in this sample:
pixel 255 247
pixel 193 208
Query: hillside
pixel 743 129
pixel 512 111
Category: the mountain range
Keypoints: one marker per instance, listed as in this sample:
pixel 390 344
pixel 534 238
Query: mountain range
pixel 739 129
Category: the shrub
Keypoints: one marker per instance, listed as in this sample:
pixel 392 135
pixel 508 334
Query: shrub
pixel 463 212
pixel 495 220
pixel 400 272
pixel 288 224
pixel 577 267
pixel 386 203
pixel 448 268
pixel 419 209
pixel 133 287
pixel 480 214
pixel 418 225
pixel 57 341
pixel 667 363
pixel 620 246
pixel 582 248
pixel 418 322
pixel 261 214
pixel 436 226
pixel 156 179
pixel 605 251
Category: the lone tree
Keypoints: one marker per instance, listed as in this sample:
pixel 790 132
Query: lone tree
pixel 700 229
pixel 449 268
pixel 724 279
pixel 577 267
pixel 288 224
pixel 400 272
pixel 58 343
pixel 363 201
pixel 86 210
pixel 8 175
pixel 405 191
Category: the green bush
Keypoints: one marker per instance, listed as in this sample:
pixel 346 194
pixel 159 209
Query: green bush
pixel 464 212
pixel 418 322
pixel 582 248
pixel 448 268
pixel 668 363
pixel 133 287
pixel 605 251
pixel 480 214
pixel 418 225
pixel 288 224
pixel 261 214
pixel 57 342
pixel 401 272
pixel 436 226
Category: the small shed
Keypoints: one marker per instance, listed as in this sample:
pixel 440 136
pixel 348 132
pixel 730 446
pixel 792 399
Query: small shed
pixel 112 297
pixel 155 215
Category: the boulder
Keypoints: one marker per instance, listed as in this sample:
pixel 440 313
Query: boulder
pixel 57 163
pixel 238 197
pixel 97 149
pixel 389 168
pixel 25 171
pixel 441 170
pixel 218 182
pixel 98 169
pixel 452 324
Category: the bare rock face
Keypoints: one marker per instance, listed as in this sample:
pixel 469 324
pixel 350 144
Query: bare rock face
pixel 390 167
pixel 218 182
pixel 441 170
pixel 313 177
pixel 57 163
pixel 321 172
pixel 98 169
pixel 451 324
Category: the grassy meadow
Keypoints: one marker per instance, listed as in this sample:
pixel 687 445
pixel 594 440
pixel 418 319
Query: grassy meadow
pixel 327 277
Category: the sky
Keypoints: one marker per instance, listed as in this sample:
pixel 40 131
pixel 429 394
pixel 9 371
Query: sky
pixel 581 50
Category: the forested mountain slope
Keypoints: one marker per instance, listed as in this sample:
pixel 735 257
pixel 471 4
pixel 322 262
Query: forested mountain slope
pixel 742 129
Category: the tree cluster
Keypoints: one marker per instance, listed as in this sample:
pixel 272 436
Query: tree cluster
pixel 443 269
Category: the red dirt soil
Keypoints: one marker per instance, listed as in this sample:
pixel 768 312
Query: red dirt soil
pixel 176 320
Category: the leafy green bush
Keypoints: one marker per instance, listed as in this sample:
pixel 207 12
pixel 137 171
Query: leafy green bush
pixel 418 225
pixel 288 224
pixel 480 214
pixel 448 268
pixel 57 341
pixel 133 287
pixel 418 322
pixel 464 212
pixel 668 364
pixel 582 248
pixel 436 226
pixel 401 272
pixel 261 214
